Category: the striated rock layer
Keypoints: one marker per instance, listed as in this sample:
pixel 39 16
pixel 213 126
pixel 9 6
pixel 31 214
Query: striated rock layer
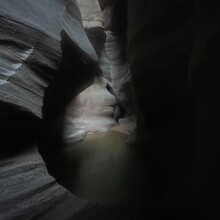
pixel 31 58
pixel 27 191
pixel 31 52
pixel 45 60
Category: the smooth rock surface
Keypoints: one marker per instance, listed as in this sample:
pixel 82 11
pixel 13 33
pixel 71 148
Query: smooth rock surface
pixel 93 23
pixel 36 38
pixel 32 57
pixel 93 109
pixel 30 47
pixel 91 14
pixel 90 112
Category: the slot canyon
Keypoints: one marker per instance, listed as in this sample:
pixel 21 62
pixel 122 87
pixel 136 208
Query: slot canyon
pixel 109 109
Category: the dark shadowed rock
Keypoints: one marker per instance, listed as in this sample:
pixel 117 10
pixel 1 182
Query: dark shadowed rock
pixel 172 49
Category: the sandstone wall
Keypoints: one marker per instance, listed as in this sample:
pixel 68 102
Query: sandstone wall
pixel 33 54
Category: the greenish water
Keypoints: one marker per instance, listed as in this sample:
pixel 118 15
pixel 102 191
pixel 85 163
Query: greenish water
pixel 105 169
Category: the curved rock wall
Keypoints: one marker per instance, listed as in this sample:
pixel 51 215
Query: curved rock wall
pixel 92 110
pixel 31 44
pixel 45 60
pixel 115 15
pixel 31 57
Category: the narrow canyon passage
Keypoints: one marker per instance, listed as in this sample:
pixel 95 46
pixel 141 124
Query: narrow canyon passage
pixel 109 109
pixel 97 124
pixel 96 160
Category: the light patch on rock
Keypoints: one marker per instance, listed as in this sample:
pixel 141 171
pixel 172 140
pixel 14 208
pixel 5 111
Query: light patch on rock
pixel 90 112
